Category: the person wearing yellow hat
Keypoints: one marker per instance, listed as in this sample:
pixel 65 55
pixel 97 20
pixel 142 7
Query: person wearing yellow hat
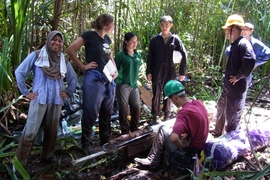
pixel 261 51
pixel 240 63
pixel 187 136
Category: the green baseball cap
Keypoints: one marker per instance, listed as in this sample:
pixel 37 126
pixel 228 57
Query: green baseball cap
pixel 173 87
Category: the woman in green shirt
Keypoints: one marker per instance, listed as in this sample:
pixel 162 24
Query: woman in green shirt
pixel 128 62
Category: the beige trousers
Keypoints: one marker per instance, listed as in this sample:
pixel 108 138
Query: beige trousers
pixel 38 114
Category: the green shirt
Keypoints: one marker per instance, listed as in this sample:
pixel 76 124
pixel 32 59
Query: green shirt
pixel 128 68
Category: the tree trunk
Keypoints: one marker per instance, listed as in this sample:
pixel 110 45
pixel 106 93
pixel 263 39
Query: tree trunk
pixel 57 13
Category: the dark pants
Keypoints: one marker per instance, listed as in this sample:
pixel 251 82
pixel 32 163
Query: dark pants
pixel 230 105
pixel 98 101
pixel 128 97
pixel 157 88
pixel 162 146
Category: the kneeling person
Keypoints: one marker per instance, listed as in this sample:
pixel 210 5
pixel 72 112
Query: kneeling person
pixel 188 134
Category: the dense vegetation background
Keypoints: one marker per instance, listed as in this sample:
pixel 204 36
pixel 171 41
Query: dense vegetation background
pixel 25 25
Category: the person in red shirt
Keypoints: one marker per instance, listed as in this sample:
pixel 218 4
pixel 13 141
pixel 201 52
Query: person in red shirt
pixel 189 132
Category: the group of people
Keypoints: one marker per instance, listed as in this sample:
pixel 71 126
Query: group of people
pixel 191 127
pixel 244 54
pixel 98 91
pixel 190 130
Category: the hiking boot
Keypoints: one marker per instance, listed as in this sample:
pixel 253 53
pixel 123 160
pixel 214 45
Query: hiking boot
pixel 147 163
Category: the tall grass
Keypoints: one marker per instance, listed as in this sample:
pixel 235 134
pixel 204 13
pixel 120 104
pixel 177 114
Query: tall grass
pixel 6 77
pixel 17 14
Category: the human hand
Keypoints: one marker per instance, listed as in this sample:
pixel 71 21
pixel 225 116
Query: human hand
pixel 181 77
pixel 91 65
pixel 63 95
pixel 114 76
pixel 233 80
pixel 149 77
pixel 31 96
pixel 183 135
pixel 185 139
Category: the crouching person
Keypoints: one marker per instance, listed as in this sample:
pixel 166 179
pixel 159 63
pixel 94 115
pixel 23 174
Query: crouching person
pixel 187 136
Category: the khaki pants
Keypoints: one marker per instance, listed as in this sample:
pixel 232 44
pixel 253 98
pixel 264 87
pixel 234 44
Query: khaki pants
pixel 38 114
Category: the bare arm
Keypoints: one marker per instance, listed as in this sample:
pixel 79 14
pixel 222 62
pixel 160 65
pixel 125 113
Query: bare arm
pixel 71 51
pixel 114 76
pixel 181 142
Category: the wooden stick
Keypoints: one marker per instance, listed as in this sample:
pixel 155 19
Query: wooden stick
pixel 91 156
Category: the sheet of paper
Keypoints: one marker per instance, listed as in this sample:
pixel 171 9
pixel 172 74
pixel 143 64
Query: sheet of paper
pixel 177 57
pixel 109 69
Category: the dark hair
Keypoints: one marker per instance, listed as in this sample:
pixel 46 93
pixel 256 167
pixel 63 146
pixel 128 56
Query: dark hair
pixel 239 28
pixel 166 18
pixel 102 20
pixel 127 37
pixel 179 95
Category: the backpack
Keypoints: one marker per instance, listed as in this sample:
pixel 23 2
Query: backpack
pixel 181 161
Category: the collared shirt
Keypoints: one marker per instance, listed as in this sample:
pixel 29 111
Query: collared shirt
pixel 48 90
pixel 128 68
pixel 261 51
pixel 240 63
pixel 160 57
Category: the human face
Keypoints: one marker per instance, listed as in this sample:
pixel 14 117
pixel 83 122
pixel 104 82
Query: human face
pixel 246 32
pixel 132 43
pixel 56 43
pixel 228 32
pixel 165 27
pixel 173 99
pixel 109 28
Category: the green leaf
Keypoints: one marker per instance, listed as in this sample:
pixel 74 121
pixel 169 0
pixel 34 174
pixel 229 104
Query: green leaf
pixel 19 167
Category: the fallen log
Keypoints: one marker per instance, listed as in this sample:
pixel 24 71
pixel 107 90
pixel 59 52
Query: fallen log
pixel 126 137
pixel 117 143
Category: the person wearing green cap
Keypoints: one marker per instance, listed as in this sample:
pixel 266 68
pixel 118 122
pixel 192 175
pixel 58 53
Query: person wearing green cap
pixel 188 134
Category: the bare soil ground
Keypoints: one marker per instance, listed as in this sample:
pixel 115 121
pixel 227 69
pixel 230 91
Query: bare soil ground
pixel 116 165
